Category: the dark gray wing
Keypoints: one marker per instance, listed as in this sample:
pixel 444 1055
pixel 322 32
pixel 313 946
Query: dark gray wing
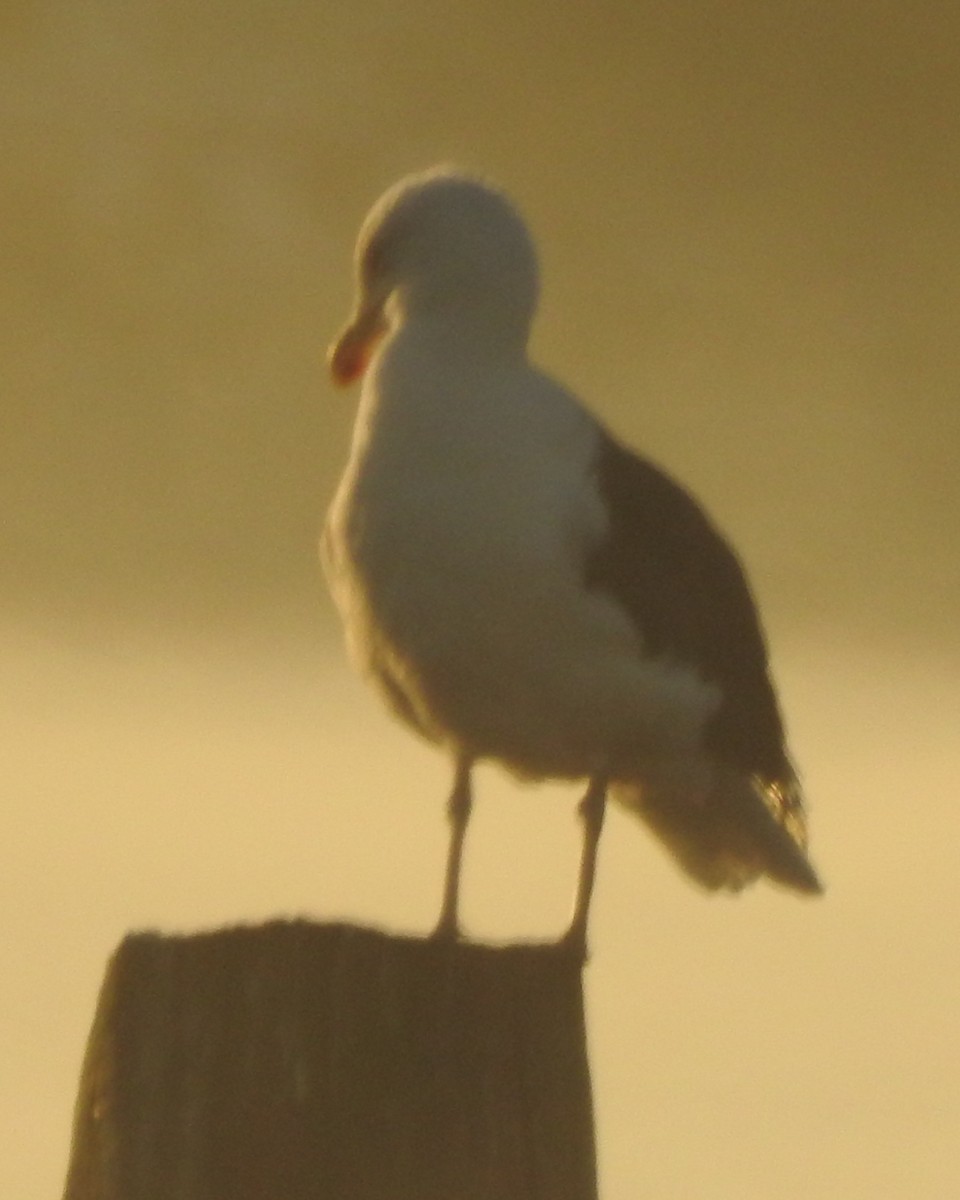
pixel 684 588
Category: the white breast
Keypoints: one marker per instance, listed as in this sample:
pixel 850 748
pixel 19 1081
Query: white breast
pixel 455 547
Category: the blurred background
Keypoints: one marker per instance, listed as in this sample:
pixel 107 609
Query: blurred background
pixel 747 215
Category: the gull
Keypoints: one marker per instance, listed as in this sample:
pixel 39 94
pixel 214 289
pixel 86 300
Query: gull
pixel 523 588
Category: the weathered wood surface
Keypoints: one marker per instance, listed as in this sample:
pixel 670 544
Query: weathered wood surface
pixel 295 1060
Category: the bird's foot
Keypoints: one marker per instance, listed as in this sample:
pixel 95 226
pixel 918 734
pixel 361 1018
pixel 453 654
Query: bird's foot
pixel 574 944
pixel 447 929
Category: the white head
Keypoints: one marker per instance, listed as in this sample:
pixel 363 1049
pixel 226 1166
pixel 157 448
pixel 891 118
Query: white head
pixel 442 243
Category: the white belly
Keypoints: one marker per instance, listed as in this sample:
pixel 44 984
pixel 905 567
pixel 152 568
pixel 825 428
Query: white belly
pixel 457 562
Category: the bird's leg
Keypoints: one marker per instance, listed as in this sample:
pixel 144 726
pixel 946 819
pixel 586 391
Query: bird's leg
pixel 592 808
pixel 458 812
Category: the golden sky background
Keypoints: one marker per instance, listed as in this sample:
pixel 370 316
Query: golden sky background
pixel 747 216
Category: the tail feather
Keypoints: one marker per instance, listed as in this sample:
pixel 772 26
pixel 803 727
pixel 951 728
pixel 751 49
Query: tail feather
pixel 726 837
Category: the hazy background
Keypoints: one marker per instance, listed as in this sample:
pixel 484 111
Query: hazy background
pixel 748 218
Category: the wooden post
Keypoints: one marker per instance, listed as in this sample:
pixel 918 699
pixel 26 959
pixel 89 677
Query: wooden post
pixel 296 1061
